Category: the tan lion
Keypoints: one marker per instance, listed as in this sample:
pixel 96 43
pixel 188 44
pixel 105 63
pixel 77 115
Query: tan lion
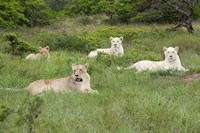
pixel 79 81
pixel 43 54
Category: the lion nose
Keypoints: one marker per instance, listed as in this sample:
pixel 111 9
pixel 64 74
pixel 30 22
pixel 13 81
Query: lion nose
pixel 76 75
pixel 170 56
pixel 115 45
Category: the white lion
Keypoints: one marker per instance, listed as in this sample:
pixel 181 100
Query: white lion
pixel 43 54
pixel 171 62
pixel 79 81
pixel 116 48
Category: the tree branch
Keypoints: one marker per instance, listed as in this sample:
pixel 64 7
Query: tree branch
pixel 177 8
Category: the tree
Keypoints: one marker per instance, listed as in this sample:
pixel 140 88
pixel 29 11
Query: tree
pixel 37 11
pixel 171 11
pixel 18 46
pixel 26 113
pixel 187 9
pixel 57 5
pixel 83 7
pixel 13 42
pixel 11 14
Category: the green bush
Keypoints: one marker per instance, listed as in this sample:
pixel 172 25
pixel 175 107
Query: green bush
pixel 86 20
pixel 38 12
pixel 11 14
pixel 60 42
pixel 17 46
pixel 100 37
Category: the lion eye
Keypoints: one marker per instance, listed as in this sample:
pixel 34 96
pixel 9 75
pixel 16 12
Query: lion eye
pixel 168 52
pixel 81 69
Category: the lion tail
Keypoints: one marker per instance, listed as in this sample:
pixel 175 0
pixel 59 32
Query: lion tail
pixel 11 89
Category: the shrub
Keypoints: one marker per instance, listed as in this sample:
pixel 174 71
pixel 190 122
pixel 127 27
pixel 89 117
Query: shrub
pixel 11 14
pixel 17 46
pixel 100 37
pixel 60 42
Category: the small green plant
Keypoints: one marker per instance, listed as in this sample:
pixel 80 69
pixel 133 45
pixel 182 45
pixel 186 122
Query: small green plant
pixel 24 46
pixel 18 46
pixel 26 113
pixel 13 42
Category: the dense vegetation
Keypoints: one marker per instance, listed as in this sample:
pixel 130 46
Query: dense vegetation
pixel 42 12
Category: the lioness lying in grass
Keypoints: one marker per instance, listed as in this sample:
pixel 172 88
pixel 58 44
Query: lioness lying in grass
pixel 171 62
pixel 79 81
pixel 116 48
pixel 43 54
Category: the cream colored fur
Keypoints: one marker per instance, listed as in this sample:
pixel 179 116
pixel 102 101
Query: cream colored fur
pixel 171 62
pixel 43 54
pixel 79 81
pixel 116 48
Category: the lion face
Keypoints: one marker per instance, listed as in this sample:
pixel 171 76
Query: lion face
pixel 79 72
pixel 44 51
pixel 171 53
pixel 116 42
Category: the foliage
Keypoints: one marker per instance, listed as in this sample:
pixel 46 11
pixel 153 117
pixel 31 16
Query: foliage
pixel 13 41
pixel 57 4
pixel 59 42
pixel 18 46
pixel 26 113
pixel 100 37
pixel 125 11
pixel 43 12
pixel 82 7
pixel 24 12
pixel 11 14
pixel 37 12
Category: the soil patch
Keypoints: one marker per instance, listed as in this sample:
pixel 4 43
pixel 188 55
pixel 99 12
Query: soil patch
pixel 192 77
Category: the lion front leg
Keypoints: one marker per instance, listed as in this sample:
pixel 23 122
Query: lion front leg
pixel 90 91
pixel 183 69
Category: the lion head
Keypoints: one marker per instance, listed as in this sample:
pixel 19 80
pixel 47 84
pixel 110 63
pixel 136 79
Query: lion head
pixel 79 72
pixel 171 54
pixel 44 51
pixel 116 42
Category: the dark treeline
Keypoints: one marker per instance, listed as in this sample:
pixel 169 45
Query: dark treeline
pixel 42 12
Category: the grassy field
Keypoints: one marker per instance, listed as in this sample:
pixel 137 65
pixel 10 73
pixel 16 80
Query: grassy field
pixel 128 102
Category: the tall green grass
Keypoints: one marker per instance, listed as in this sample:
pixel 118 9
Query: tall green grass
pixel 128 102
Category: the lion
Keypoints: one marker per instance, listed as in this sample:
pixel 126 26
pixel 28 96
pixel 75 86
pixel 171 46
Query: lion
pixel 79 81
pixel 171 62
pixel 116 48
pixel 43 54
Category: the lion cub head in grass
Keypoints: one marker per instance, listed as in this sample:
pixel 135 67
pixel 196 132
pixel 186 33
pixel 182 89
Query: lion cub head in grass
pixel 44 51
pixel 43 54
pixel 79 81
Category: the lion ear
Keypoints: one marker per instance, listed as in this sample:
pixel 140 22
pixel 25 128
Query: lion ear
pixel 111 38
pixel 73 66
pixel 47 47
pixel 86 65
pixel 164 49
pixel 121 38
pixel 176 48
